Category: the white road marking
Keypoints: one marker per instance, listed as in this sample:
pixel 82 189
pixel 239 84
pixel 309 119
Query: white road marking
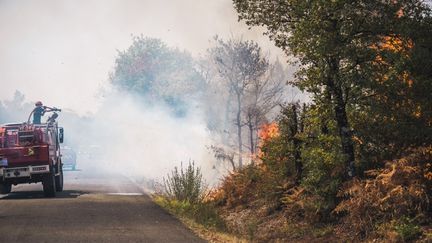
pixel 126 193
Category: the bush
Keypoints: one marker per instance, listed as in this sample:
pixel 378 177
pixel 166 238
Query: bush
pixel 401 189
pixel 239 187
pixel 323 170
pixel 185 184
pixel 203 213
pixel 407 229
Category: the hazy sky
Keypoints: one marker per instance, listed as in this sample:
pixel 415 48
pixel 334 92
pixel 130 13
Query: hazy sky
pixel 61 51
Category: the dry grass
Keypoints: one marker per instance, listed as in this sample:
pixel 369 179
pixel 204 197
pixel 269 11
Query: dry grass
pixel 391 204
pixel 210 235
pixel 400 191
pixel 202 226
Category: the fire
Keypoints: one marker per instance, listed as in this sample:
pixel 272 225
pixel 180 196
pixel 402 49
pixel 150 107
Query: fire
pixel 265 133
pixel 268 131
pixel 417 112
pixel 395 44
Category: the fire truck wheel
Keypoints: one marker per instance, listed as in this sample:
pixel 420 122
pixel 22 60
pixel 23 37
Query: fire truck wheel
pixel 5 188
pixel 49 187
pixel 59 181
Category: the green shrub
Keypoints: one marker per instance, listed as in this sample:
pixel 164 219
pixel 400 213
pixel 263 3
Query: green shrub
pixel 184 191
pixel 203 213
pixel 407 229
pixel 185 184
pixel 323 165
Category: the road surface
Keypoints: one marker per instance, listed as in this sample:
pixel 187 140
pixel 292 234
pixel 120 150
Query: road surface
pixel 92 208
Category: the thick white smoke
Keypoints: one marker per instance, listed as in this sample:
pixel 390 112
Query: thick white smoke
pixel 61 52
pixel 127 136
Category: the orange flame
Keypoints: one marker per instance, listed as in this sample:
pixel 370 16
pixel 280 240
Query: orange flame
pixel 395 44
pixel 268 131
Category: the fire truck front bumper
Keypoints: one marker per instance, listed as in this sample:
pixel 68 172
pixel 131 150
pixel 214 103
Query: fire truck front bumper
pixel 20 172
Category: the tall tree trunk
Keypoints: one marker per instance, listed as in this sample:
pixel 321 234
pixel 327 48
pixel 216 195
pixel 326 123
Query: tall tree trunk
pixel 239 131
pixel 225 133
pixel 256 129
pixel 296 143
pixel 343 126
pixel 251 138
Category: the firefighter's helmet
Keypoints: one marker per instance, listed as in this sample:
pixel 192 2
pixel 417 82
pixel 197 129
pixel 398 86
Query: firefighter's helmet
pixel 39 103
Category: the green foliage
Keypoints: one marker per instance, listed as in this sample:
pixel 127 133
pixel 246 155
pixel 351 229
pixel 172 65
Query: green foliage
pixel 281 154
pixel 157 72
pixel 203 213
pixel 398 114
pixel 185 184
pixel 323 166
pixel 366 65
pixel 321 158
pixel 277 157
pixel 321 180
pixel 407 229
pixel 365 61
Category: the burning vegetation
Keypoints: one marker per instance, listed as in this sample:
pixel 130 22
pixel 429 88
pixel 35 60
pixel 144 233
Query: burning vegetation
pixel 354 163
pixel 268 131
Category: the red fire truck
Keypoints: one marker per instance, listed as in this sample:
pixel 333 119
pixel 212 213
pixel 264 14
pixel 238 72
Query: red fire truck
pixel 30 153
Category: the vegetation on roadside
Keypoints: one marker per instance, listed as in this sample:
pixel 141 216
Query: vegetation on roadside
pixel 203 213
pixel 351 164
pixel 184 195
pixel 355 164
pixel 185 184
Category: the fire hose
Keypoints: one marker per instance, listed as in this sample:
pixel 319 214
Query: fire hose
pixel 46 109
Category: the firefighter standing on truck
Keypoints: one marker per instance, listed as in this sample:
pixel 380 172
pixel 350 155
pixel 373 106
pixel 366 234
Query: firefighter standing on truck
pixel 38 112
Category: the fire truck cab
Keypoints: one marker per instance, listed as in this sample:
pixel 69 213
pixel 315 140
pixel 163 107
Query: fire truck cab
pixel 30 153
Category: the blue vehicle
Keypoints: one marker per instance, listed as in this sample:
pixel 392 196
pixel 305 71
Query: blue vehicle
pixel 69 158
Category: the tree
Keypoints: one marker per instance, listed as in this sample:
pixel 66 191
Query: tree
pixel 16 109
pixel 396 116
pixel 335 42
pixel 263 95
pixel 157 72
pixel 239 63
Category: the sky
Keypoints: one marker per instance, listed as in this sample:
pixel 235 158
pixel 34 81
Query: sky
pixel 61 52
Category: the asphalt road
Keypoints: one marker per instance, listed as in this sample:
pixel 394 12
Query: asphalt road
pixel 92 208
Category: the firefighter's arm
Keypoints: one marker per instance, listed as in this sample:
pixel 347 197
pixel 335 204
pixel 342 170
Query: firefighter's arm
pixel 45 109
